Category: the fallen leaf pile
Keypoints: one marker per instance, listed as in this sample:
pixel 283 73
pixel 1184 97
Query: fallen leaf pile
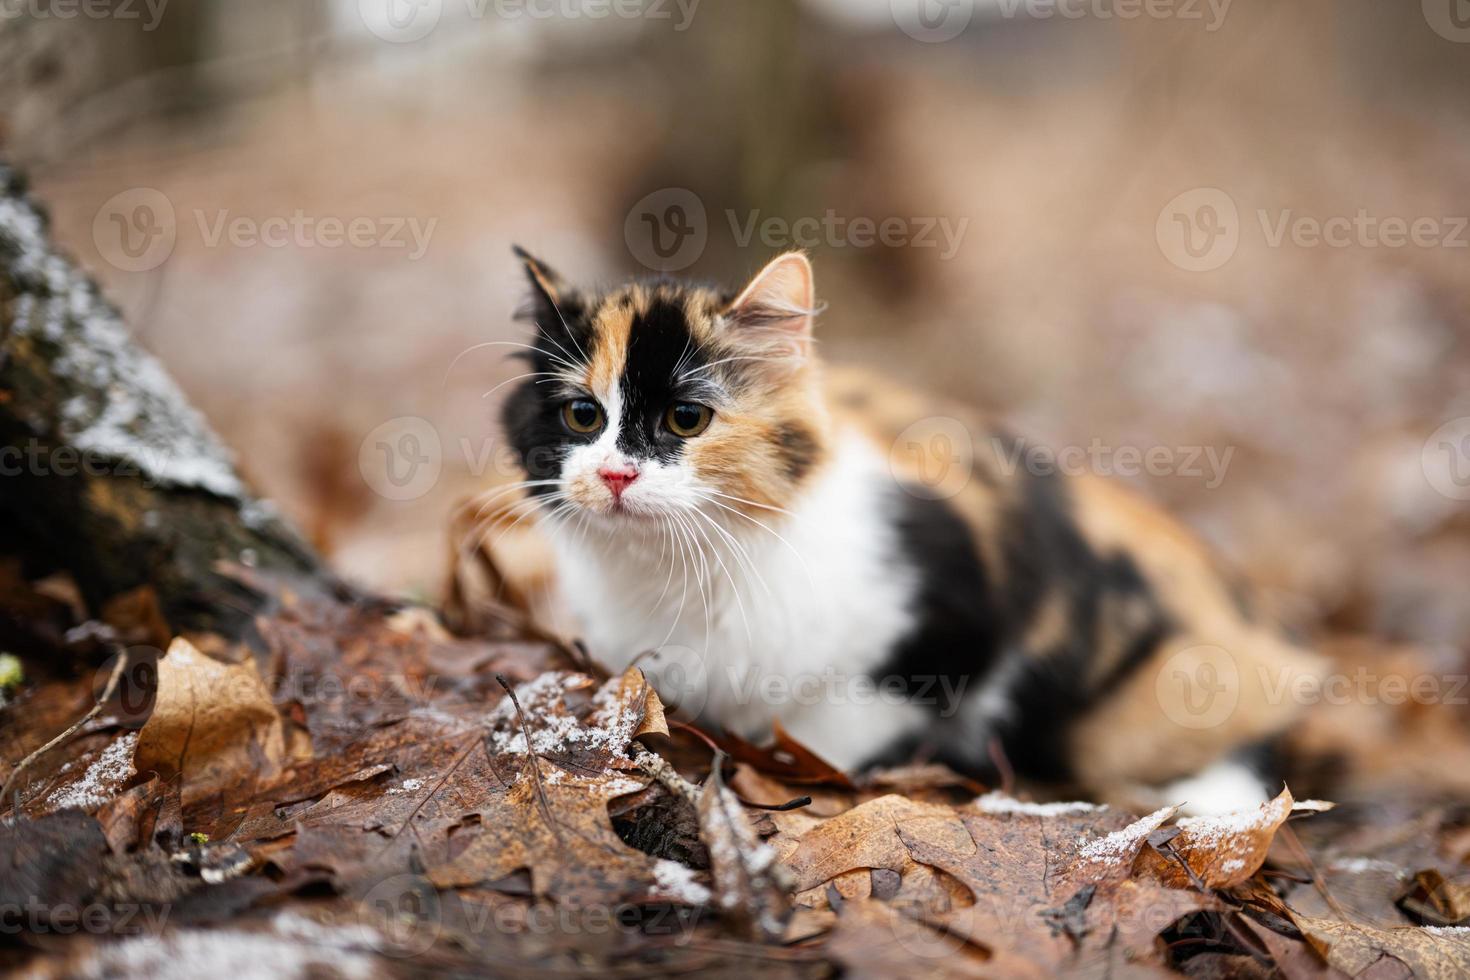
pixel 353 791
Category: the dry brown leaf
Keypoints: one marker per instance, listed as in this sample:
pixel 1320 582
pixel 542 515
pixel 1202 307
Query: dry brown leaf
pixel 214 726
pixel 1432 953
pixel 1440 900
pixel 748 890
pixel 1220 851
pixel 1054 890
pixel 867 836
pixel 552 821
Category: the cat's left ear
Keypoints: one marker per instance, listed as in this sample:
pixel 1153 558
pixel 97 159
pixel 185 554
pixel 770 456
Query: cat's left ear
pixel 779 302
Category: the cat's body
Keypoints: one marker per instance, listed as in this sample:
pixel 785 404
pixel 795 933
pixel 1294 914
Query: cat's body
pixel 784 560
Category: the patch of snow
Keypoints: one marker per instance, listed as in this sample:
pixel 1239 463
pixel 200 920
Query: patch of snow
pixel 998 802
pixel 1123 845
pixel 680 883
pixel 132 411
pixel 1218 830
pixel 101 780
pixel 553 727
pixel 301 949
pixel 407 786
pixel 1360 865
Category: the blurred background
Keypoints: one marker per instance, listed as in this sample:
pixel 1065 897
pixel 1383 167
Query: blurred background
pixel 1094 217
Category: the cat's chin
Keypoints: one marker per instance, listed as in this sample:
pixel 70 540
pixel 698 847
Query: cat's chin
pixel 613 517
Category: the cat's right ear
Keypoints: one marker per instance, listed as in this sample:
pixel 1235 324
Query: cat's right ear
pixel 546 285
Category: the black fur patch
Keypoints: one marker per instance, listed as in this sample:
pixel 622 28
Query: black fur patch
pixel 798 448
pixel 973 622
pixel 659 342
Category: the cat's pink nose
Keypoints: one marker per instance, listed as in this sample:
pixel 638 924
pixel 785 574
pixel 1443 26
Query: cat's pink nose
pixel 617 478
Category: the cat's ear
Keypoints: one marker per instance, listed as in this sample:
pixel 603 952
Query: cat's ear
pixel 545 283
pixel 779 302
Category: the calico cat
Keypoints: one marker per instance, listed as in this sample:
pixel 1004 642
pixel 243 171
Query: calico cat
pixel 714 495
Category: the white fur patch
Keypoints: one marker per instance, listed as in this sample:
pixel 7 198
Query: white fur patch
pixel 747 626
pixel 1223 787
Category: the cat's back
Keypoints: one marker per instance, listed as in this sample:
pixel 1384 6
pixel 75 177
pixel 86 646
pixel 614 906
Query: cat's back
pixel 1089 584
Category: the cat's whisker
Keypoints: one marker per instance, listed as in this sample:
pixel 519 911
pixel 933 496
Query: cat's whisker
pixel 738 550
pixel 701 569
pixel 570 334
pixel 544 375
pixel 488 498
pixel 568 362
pixel 734 587
pixel 771 531
pixel 751 503
pixel 727 360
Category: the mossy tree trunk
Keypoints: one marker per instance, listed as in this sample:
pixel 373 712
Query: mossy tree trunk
pixel 106 471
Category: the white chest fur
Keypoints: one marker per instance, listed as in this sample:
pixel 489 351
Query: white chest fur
pixel 748 624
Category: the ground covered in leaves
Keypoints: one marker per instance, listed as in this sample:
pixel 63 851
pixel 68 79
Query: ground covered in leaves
pixel 355 792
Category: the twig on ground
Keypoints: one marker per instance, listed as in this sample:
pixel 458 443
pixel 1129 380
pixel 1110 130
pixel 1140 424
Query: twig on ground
pixel 107 692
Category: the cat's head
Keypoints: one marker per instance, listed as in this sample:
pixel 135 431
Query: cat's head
pixel 662 395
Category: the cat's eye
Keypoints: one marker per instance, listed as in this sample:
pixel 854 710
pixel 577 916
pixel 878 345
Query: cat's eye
pixel 582 415
pixel 687 419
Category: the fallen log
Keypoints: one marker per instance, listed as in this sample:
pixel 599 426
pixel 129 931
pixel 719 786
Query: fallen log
pixel 106 471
